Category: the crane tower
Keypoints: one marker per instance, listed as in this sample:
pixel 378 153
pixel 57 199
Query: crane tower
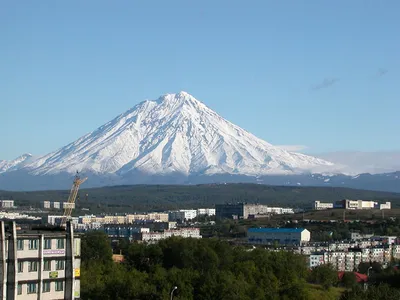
pixel 71 199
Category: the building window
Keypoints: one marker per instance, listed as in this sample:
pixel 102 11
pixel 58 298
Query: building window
pixel 20 244
pixel 60 243
pixel 19 288
pixel 47 265
pixel 59 286
pixel 46 287
pixel 32 287
pixel 60 265
pixel 33 244
pixel 47 244
pixel 20 267
pixel 32 266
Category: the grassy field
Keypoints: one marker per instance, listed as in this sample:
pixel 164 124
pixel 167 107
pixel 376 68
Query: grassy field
pixel 317 292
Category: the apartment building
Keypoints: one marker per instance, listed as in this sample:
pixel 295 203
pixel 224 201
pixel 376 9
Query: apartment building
pixel 183 232
pixel 6 203
pixel 68 205
pixel 56 205
pixel 283 236
pixel 46 204
pixel 39 264
pixel 182 215
pixel 206 211
pixel 318 205
pixel 239 210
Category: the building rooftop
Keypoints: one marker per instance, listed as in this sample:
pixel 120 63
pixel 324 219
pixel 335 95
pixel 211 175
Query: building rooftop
pixel 272 230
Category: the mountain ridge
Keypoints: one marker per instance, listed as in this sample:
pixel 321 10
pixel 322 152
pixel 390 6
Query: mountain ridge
pixel 173 139
pixel 175 133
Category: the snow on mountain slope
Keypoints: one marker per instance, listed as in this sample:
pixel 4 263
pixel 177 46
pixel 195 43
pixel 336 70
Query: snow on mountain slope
pixel 174 134
pixel 14 164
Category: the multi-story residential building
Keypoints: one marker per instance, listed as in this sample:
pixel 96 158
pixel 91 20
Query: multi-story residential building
pixel 39 264
pixel 356 204
pixel 282 236
pixel 6 203
pixel 56 205
pixel 239 210
pixel 68 205
pixel 316 259
pixel 206 211
pixel 183 232
pixel 46 204
pixel 318 205
pixel 162 217
pixel 182 215
pixel 386 205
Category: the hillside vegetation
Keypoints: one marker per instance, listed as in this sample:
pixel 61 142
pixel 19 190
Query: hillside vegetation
pixel 161 197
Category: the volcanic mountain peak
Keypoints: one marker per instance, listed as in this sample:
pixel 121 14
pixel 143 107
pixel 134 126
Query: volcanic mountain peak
pixel 175 134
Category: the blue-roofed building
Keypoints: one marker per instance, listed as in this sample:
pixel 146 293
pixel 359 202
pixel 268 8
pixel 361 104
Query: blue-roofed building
pixel 282 236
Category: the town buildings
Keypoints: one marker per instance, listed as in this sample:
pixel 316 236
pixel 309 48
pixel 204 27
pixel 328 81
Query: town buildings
pixel 39 264
pixel 46 204
pixel 182 215
pixel 206 211
pixel 7 203
pixel 318 205
pixel 281 236
pixel 246 211
pixel 351 204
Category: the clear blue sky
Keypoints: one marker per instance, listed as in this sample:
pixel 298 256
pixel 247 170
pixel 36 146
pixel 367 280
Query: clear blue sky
pixel 324 74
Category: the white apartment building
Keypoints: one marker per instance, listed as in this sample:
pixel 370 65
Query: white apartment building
pixel 68 205
pixel 316 260
pixel 46 204
pixel 282 236
pixel 386 205
pixel 206 211
pixel 318 205
pixel 6 203
pixel 182 215
pixel 56 205
pixel 183 232
pixel 39 264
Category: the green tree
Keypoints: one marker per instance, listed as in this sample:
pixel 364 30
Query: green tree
pixel 96 248
pixel 325 275
pixel 349 280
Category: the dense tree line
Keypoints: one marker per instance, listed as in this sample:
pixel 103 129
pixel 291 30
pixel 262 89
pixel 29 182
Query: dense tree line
pixel 164 197
pixel 201 269
pixel 212 269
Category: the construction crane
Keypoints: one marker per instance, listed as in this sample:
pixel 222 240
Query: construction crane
pixel 71 199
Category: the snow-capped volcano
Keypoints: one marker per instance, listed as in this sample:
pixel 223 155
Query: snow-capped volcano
pixel 174 134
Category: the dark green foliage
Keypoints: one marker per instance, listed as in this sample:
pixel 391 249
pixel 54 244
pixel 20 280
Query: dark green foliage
pixel 96 247
pixel 349 280
pixel 202 269
pixel 379 292
pixel 210 269
pixel 324 275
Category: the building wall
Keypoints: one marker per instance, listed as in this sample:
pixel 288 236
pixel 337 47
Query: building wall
pixel 38 250
pixel 183 214
pixel 283 237
pixel 206 211
pixel 227 211
pixel 318 205
pixel 7 203
pixel 386 205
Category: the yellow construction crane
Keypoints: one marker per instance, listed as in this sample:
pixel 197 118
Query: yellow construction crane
pixel 71 199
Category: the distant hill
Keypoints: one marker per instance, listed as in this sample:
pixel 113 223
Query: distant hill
pixel 162 197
